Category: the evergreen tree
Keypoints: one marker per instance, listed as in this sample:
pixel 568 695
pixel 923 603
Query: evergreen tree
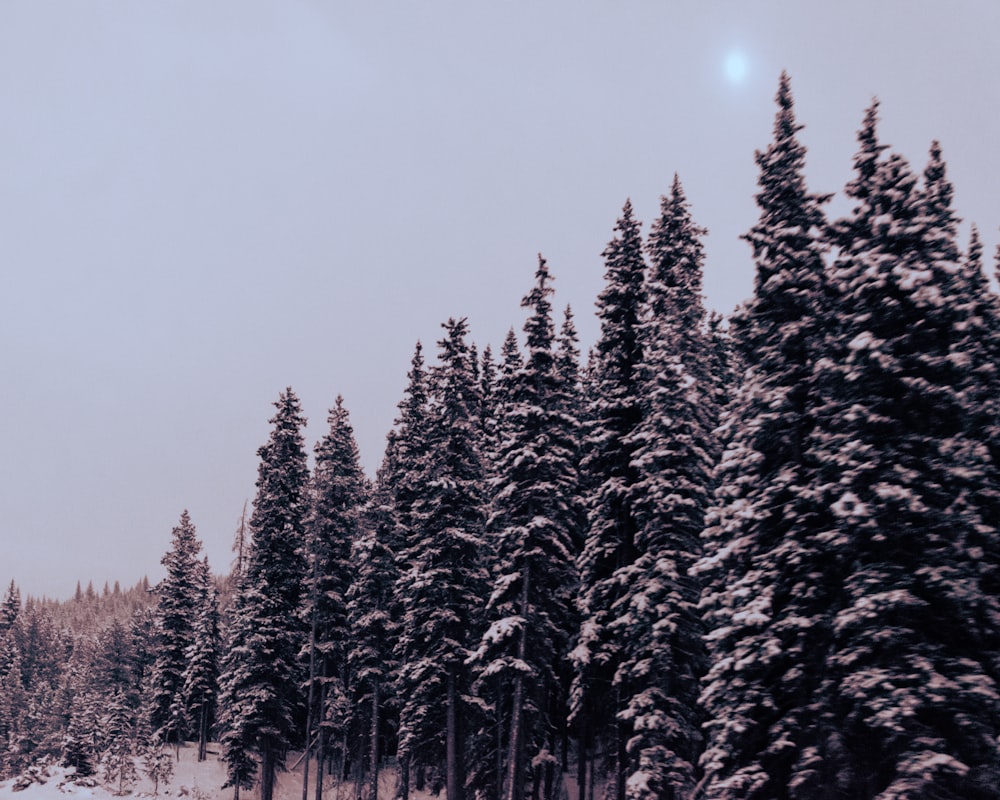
pixel 531 608
pixel 338 493
pixel 260 674
pixel 609 549
pixel 444 583
pixel 201 675
pixel 404 472
pixel 78 742
pixel 915 636
pixel 177 603
pixel 488 409
pixel 769 588
pixel 659 626
pixel 117 760
pixel 10 608
pixel 373 623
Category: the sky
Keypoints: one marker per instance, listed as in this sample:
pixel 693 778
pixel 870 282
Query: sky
pixel 204 203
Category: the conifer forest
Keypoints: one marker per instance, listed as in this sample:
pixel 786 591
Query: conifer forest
pixel 752 557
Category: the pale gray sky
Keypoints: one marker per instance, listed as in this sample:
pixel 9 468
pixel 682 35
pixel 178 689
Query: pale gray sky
pixel 202 203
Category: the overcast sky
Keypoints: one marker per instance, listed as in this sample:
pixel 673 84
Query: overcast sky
pixel 202 203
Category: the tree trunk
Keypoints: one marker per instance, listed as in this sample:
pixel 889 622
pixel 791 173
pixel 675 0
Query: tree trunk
pixel 320 758
pixel 374 742
pixel 622 757
pixel 550 767
pixel 267 774
pixel 203 732
pixel 404 776
pixel 515 752
pixel 581 764
pixel 454 755
pixel 499 742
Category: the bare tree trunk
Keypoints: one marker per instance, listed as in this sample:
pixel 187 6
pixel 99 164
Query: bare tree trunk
pixel 404 776
pixel 499 743
pixel 581 764
pixel 515 752
pixel 320 752
pixel 267 773
pixel 374 742
pixel 203 732
pixel 453 747
pixel 622 756
pixel 550 767
pixel 312 694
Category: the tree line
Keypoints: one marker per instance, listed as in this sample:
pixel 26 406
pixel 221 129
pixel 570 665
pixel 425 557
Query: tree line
pixel 745 558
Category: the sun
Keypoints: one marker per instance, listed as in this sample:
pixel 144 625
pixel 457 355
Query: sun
pixel 736 67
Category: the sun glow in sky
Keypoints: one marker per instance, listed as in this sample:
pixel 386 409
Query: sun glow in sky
pixel 736 67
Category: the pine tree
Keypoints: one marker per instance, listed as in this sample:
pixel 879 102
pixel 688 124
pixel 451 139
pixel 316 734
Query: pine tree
pixel 609 549
pixel 177 602
pixel 659 626
pixel 531 608
pixel 443 584
pixel 915 636
pixel 338 493
pixel 117 760
pixel 10 608
pixel 373 622
pixel 78 742
pixel 261 670
pixel 768 582
pixel 201 675
pixel 404 472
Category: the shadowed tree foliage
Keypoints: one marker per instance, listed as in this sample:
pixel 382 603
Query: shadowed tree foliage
pixel 261 673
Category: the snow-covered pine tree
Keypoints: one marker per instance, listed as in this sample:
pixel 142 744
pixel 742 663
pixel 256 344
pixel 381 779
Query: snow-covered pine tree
pixel 444 584
pixel 177 604
pixel 117 762
pixel 201 675
pixel 261 675
pixel 609 549
pixel 530 612
pixel 767 596
pixel 10 608
pixel 403 473
pixel 156 758
pixel 914 651
pixel 658 624
pixel 373 622
pixel 488 409
pixel 338 493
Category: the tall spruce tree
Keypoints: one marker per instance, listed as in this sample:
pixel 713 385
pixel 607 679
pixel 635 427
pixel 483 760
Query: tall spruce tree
pixel 338 493
pixel 261 673
pixel 201 675
pixel 374 624
pixel 444 583
pixel 769 589
pixel 404 471
pixel 178 596
pixel 530 611
pixel 10 608
pixel 915 635
pixel 674 451
pixel 609 549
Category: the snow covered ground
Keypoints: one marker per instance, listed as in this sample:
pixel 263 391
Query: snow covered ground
pixel 191 781
pixel 203 781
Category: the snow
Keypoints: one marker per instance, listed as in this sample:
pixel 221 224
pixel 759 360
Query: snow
pixel 195 781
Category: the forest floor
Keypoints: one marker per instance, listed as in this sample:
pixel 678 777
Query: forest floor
pixel 191 781
pixel 194 780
